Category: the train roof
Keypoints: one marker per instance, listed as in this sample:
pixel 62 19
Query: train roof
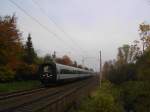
pixel 72 68
pixel 66 66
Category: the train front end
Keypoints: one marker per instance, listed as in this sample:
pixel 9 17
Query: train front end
pixel 48 73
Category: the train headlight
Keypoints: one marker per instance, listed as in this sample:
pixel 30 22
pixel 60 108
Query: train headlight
pixel 43 75
pixel 46 75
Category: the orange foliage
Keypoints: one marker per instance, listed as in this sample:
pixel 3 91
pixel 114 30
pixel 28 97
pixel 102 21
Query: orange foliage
pixel 64 60
pixel 10 45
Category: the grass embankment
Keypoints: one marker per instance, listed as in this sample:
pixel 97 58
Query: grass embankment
pixel 129 96
pixel 104 99
pixel 18 86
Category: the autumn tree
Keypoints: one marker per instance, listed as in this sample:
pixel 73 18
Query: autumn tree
pixel 120 57
pixel 28 68
pixel 131 72
pixel 10 47
pixel 66 60
pixel 123 69
pixel 10 44
pixel 128 53
pixel 125 54
pixel 134 52
pixel 145 35
pixel 106 69
pixel 59 60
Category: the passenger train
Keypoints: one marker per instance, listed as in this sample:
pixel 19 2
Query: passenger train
pixel 54 72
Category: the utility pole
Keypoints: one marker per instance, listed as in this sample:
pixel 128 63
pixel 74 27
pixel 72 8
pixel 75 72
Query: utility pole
pixel 100 72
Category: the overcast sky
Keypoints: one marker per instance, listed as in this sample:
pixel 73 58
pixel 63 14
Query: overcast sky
pixel 79 28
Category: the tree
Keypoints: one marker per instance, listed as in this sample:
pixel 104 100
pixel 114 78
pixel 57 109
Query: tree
pixel 54 55
pixel 86 68
pixel 10 47
pixel 80 66
pixel 120 57
pixel 123 69
pixel 106 69
pixel 128 54
pixel 145 35
pixel 29 55
pixel 75 64
pixel 143 62
pixel 123 54
pixel 48 58
pixel 59 60
pixel 91 69
pixel 134 52
pixel 66 60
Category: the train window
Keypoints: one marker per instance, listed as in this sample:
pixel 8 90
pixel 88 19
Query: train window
pixel 75 72
pixel 80 72
pixel 64 71
pixel 45 69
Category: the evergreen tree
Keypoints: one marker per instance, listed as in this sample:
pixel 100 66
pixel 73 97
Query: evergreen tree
pixel 48 58
pixel 54 55
pixel 75 64
pixel 30 54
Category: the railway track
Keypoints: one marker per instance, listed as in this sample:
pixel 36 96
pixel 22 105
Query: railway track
pixel 19 93
pixel 37 99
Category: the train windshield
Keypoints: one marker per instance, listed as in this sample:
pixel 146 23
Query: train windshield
pixel 47 69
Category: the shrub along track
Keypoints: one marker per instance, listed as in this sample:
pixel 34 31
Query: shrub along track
pixel 37 99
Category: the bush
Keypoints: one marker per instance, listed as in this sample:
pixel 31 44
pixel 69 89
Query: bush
pixel 122 74
pixel 26 72
pixel 143 73
pixel 143 64
pixel 136 95
pixel 6 74
pixel 100 103
pixel 104 100
pixel 19 85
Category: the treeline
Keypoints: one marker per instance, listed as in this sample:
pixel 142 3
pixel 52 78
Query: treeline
pixel 18 60
pixel 126 80
pixel 131 72
pixel 65 60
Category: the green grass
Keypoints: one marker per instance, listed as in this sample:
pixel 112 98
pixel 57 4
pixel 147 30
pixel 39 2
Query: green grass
pixel 18 86
pixel 104 99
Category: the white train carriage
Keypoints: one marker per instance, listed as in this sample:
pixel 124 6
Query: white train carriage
pixel 68 72
pixel 54 72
